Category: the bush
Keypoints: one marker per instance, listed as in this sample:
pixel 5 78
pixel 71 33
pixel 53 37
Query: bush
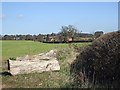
pixel 12 58
pixel 99 64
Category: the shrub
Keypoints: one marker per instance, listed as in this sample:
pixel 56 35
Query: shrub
pixel 99 64
pixel 12 58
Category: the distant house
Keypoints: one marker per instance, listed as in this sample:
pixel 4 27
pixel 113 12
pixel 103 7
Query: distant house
pixel 98 34
pixel 68 39
pixel 52 39
pixel 17 38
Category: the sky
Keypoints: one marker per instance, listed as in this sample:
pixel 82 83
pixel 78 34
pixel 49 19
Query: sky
pixel 48 17
pixel 118 15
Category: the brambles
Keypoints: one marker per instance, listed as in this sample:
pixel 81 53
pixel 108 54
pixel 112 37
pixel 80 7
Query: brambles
pixel 99 64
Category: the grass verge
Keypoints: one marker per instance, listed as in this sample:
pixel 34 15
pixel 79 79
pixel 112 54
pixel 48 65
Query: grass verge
pixel 60 79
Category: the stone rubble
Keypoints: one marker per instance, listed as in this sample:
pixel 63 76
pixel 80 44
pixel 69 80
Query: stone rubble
pixel 35 63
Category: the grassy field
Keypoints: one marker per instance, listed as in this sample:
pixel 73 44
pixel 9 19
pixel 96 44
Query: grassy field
pixel 59 79
pixel 20 48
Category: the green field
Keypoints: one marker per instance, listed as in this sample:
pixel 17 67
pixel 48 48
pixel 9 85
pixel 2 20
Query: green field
pixel 59 79
pixel 21 48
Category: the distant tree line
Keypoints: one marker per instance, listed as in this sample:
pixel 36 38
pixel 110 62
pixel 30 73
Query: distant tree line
pixel 67 33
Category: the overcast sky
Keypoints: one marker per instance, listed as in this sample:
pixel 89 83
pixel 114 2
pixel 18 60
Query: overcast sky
pixel 48 17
